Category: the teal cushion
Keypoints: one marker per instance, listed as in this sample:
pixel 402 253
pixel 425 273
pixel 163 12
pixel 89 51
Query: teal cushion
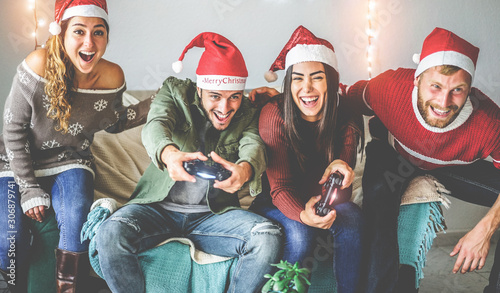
pixel 170 266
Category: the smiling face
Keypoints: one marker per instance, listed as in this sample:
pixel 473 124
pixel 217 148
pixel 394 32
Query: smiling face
pixel 85 42
pixel 309 89
pixel 441 97
pixel 220 106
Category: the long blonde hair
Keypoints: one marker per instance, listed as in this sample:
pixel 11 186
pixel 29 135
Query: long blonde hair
pixel 60 73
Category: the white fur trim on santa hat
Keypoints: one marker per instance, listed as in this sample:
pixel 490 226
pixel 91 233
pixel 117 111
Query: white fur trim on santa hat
pixel 446 58
pixel 54 28
pixel 270 76
pixel 177 66
pixel 85 10
pixel 221 82
pixel 304 53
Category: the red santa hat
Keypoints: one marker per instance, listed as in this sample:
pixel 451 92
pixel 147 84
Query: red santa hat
pixel 303 46
pixel 442 47
pixel 69 8
pixel 221 65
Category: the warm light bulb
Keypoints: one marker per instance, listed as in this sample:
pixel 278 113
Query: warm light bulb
pixel 31 7
pixel 371 5
pixel 33 34
pixel 41 22
pixel 369 69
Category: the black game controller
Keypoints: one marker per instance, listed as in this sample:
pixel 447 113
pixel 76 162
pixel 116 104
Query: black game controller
pixel 199 169
pixel 331 195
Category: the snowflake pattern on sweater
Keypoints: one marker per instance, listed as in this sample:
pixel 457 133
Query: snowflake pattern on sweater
pixel 30 146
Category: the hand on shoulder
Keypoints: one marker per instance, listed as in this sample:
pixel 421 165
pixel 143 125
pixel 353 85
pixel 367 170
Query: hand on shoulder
pixel 36 60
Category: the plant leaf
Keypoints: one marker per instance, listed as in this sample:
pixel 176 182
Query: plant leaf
pixel 267 287
pixel 299 285
pixel 305 280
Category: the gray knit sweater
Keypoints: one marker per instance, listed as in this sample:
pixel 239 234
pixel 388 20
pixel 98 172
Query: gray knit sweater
pixel 31 147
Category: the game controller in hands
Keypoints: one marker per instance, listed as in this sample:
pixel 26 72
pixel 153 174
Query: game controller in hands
pixel 331 194
pixel 199 169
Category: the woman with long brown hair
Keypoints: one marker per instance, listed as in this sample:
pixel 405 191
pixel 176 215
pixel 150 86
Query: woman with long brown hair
pixel 310 133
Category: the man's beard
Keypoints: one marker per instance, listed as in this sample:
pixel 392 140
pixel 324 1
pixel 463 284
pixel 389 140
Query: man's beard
pixel 424 108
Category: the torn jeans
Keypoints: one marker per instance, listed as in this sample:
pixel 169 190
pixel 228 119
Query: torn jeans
pixel 134 228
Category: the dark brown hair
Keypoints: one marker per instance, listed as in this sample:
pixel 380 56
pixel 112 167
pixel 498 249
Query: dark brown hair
pixel 326 125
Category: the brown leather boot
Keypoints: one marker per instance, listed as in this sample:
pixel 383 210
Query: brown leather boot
pixel 72 269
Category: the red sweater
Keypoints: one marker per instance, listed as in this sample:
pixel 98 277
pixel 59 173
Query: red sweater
pixel 473 135
pixel 290 187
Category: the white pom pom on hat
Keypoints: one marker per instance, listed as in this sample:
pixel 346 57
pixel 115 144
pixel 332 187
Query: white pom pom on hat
pixel 54 28
pixel 177 66
pixel 270 76
pixel 416 58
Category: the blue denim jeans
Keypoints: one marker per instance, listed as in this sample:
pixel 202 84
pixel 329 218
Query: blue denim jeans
pixel 343 240
pixel 72 193
pixel 385 178
pixel 134 228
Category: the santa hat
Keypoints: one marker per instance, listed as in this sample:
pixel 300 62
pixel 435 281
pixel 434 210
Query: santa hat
pixel 221 65
pixel 303 46
pixel 442 47
pixel 69 8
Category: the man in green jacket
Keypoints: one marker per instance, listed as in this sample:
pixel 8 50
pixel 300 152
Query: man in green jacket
pixel 212 122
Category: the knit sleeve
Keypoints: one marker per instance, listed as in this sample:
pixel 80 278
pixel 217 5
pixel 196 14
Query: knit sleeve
pixel 489 124
pixel 131 116
pixel 351 125
pixel 350 141
pixel 16 133
pixel 283 190
pixel 358 95
pixel 496 158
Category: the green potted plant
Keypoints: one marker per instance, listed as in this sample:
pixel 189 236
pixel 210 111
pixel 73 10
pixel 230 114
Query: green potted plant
pixel 288 279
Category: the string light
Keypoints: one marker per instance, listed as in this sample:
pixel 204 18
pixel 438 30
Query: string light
pixel 41 22
pixel 371 35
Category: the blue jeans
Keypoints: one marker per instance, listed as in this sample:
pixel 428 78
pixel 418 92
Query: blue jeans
pixel 385 178
pixel 134 228
pixel 72 194
pixel 343 240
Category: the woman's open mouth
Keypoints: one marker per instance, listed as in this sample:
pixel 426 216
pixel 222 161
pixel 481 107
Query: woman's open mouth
pixel 86 56
pixel 309 101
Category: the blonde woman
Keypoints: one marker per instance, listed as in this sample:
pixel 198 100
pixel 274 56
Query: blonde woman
pixel 60 97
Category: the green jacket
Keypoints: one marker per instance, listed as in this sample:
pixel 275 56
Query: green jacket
pixel 170 122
